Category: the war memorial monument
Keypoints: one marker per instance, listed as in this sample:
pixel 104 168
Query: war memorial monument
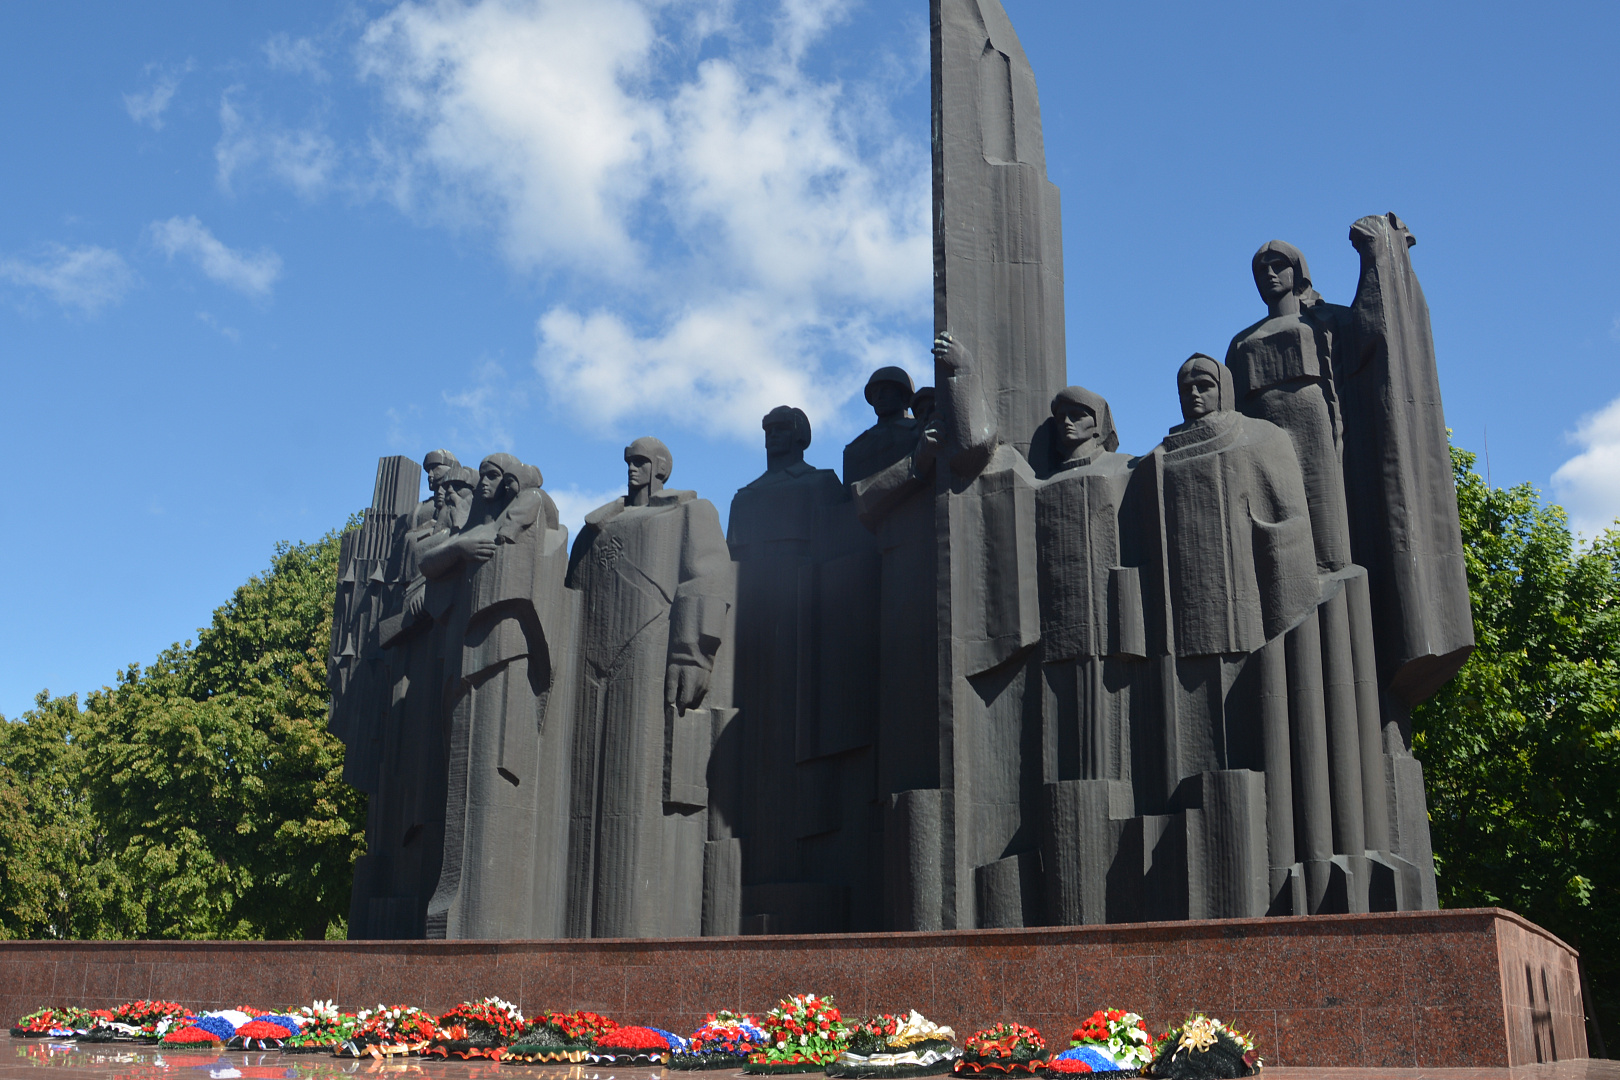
pixel 1015 702
pixel 1012 668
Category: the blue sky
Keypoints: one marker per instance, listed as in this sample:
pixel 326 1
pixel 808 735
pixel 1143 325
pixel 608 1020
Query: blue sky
pixel 245 249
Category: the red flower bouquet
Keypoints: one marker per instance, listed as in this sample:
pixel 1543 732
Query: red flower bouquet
pixel 390 1030
pixel 723 1041
pixel 1006 1049
pixel 632 1046
pixel 560 1037
pixel 802 1034
pixel 191 1036
pixel 478 1029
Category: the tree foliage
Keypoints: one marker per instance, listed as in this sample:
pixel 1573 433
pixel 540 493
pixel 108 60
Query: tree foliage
pixel 1521 752
pixel 202 795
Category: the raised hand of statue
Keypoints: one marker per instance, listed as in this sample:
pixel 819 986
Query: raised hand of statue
pixel 951 355
pixel 685 685
pixel 929 443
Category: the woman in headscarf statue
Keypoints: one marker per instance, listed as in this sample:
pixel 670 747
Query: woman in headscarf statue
pixel 1282 371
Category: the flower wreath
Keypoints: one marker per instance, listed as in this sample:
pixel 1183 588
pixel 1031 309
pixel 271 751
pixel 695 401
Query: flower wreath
pixel 477 1029
pixel 1005 1048
pixel 1109 1040
pixel 723 1041
pixel 1202 1047
pixel 802 1034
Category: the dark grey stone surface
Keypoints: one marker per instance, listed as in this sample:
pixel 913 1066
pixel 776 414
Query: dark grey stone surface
pixel 655 583
pixel 998 674
pixel 806 690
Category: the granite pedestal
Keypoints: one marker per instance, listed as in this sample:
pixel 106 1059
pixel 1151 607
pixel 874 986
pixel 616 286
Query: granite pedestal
pixel 1441 989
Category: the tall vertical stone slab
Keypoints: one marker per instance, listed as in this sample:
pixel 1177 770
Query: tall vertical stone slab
pixel 998 294
pixel 998 237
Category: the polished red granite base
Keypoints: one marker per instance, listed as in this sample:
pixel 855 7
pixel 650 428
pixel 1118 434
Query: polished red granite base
pixel 1441 989
pixel 23 1061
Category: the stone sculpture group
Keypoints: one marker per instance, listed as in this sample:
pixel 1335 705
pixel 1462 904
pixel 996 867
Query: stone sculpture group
pixel 997 674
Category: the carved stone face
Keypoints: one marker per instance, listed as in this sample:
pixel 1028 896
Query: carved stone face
pixel 440 493
pixel 1274 276
pixel 436 474
pixel 489 482
pixel 1200 396
pixel 641 469
pixel 780 436
pixel 890 398
pixel 1076 425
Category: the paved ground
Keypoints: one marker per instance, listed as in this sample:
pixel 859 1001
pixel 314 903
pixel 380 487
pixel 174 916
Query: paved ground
pixel 23 1059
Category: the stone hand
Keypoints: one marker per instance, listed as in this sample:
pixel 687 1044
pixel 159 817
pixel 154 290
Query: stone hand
pixel 951 354
pixel 478 549
pixel 685 686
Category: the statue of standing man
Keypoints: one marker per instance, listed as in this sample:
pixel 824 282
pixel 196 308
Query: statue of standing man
pixel 656 582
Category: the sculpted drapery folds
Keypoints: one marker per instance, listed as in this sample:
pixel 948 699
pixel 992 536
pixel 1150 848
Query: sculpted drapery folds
pixel 655 581
pixel 1404 525
pixel 503 817
pixel 806 693
pixel 1078 545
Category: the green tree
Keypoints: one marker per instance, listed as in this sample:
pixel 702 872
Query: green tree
pixel 209 778
pixel 56 877
pixel 1521 752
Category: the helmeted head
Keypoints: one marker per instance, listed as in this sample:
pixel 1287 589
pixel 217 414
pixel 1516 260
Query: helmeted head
pixel 437 464
pixel 1205 386
pixel 1280 269
pixel 889 391
pixel 649 460
pixel 1082 416
pixel 787 430
pixel 922 405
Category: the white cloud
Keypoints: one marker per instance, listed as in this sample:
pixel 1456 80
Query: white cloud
pixel 147 107
pixel 761 233
pixel 304 158
pixel 254 274
pixel 489 406
pixel 229 333
pixel 573 504
pixel 1588 484
pixel 87 277
pixel 295 56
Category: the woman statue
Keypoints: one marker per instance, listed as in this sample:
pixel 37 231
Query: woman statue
pixel 1282 372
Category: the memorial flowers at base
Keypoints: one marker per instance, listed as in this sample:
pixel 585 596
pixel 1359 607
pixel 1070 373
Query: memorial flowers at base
pixel 560 1036
pixel 138 1021
pixel 631 1045
pixel 1202 1048
pixel 723 1041
pixel 1006 1049
pixel 802 1034
pixel 322 1028
pixel 60 1022
pixel 1108 1041
pixel 389 1030
pixel 266 1031
pixel 896 1046
pixel 478 1029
